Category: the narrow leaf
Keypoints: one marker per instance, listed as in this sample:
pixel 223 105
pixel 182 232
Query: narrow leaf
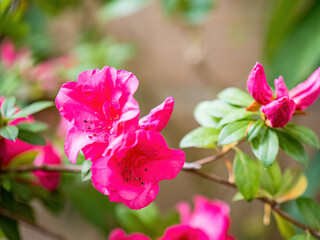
pixel 236 97
pixel 33 127
pixel 255 130
pixel 271 178
pixel 33 108
pixel 32 138
pixel 9 132
pixel 7 107
pixel 310 210
pixel 285 227
pixel 269 147
pixel 200 137
pixel 246 174
pixel 235 115
pixel 233 132
pixel 303 134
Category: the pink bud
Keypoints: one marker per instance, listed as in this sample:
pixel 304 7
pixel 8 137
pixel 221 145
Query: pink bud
pixel 306 93
pixel 279 111
pixel 281 88
pixel 258 86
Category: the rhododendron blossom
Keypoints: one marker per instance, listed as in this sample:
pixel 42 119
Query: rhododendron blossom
pixel 131 172
pixel 209 220
pixel 280 110
pixel 98 107
pixel 119 234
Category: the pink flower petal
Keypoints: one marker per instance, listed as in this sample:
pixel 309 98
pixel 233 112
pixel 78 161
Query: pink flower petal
pixel 306 93
pixel 158 117
pixel 279 111
pixel 119 234
pixel 183 232
pixel 258 86
pixel 281 88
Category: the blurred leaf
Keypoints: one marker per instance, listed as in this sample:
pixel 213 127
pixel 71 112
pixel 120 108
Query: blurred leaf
pixel 233 132
pixel 7 200
pixel 6 183
pixel 246 174
pixel 235 116
pixel 303 134
pixel 24 158
pixel 202 117
pixel 200 137
pixel 293 148
pixel 33 108
pixel 310 210
pixel 86 170
pixel 296 191
pixel 9 132
pixel 302 237
pixel 271 178
pixel 7 107
pixel 219 108
pixel 285 227
pixel 266 148
pixel 255 130
pixel 235 96
pixel 32 138
pixel 9 228
pixel 33 127
pixel 25 211
pixel 21 191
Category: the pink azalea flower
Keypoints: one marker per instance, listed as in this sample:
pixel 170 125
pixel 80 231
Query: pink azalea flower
pixel 258 86
pixel 47 155
pixel 306 93
pixel 281 88
pixel 119 234
pixel 99 107
pixel 183 232
pixel 211 217
pixel 131 171
pixel 158 117
pixel 279 111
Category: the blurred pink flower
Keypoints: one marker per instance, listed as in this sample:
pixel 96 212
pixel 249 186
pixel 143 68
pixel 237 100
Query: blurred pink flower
pixel 184 232
pixel 131 171
pixel 119 234
pixel 99 107
pixel 306 93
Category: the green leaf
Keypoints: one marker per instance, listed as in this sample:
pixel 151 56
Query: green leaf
pixel 86 170
pixel 303 134
pixel 310 210
pixel 302 237
pixel 33 127
pixel 271 178
pixel 7 200
pixel 7 107
pixel 233 132
pixel 200 137
pixel 24 158
pixel 219 108
pixel 246 173
pixel 21 191
pixel 235 115
pixel 9 132
pixel 268 147
pixel 255 130
pixel 33 108
pixel 32 138
pixel 235 96
pixel 202 117
pixel 9 228
pixel 293 148
pixel 285 227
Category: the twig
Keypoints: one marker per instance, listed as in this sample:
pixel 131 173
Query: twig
pixel 47 168
pixel 275 207
pixel 23 220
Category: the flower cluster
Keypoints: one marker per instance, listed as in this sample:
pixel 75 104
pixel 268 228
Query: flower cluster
pixel 279 109
pixel 209 221
pixel 11 150
pixel 129 157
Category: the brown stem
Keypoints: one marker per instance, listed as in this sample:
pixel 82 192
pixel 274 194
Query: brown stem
pixel 275 207
pixel 47 168
pixel 23 220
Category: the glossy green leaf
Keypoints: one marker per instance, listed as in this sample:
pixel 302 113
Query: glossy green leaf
pixel 86 170
pixel 9 228
pixel 268 147
pixel 33 127
pixel 200 137
pixel 247 175
pixel 32 138
pixel 303 134
pixel 271 178
pixel 202 117
pixel 236 96
pixel 9 132
pixel 7 107
pixel 293 148
pixel 33 108
pixel 233 132
pixel 285 227
pixel 219 108
pixel 310 210
pixel 235 115
pixel 255 130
